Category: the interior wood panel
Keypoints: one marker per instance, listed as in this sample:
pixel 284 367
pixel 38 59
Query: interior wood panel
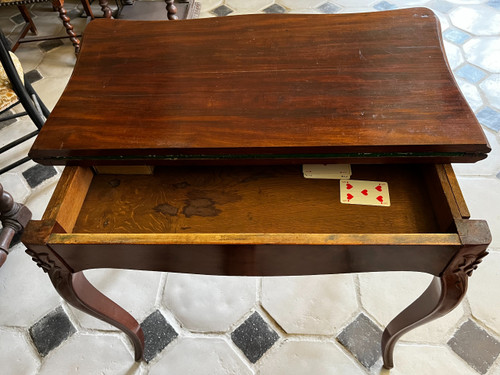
pixel 253 199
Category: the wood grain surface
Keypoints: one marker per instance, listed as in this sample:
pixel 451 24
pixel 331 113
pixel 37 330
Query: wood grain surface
pixel 272 199
pixel 262 87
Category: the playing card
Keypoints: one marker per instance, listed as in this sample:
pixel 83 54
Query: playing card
pixel 327 171
pixel 371 193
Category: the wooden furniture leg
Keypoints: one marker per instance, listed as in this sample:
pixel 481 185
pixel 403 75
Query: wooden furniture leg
pixel 171 10
pixel 106 10
pixel 75 289
pixel 14 218
pixel 445 292
pixel 87 9
pixel 58 6
pixel 30 26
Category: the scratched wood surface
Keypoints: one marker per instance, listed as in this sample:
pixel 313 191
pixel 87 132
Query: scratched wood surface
pixel 273 199
pixel 260 86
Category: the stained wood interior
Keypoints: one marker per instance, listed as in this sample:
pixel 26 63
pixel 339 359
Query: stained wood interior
pixel 253 199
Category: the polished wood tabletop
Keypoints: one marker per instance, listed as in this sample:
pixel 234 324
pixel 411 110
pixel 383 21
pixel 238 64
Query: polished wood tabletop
pixel 363 87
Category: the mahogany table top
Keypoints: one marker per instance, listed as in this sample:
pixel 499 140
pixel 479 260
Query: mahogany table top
pixel 340 87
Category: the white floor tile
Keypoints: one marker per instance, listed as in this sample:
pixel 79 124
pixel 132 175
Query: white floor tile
pixel 310 305
pixel 200 356
pixel 209 303
pixel 90 354
pixel 307 358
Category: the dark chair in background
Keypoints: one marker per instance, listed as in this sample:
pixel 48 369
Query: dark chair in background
pixel 58 6
pixel 15 90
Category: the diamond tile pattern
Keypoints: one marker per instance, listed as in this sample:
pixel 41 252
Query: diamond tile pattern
pixel 50 331
pixel 275 8
pixel 33 75
pixel 384 5
pixel 222 11
pixel 470 73
pixel 5 123
pixel 38 174
pixel 329 8
pixel 254 346
pixel 478 348
pixel 50 44
pixel 490 118
pixel 157 334
pixel 254 337
pixel 456 36
pixel 362 338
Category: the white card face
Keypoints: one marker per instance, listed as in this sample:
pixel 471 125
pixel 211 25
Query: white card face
pixel 370 193
pixel 327 171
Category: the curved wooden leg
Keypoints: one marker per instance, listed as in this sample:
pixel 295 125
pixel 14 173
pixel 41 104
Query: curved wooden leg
pixel 80 293
pixel 58 5
pixel 445 292
pixel 442 296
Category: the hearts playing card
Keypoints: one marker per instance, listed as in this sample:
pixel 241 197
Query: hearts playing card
pixel 371 193
pixel 327 171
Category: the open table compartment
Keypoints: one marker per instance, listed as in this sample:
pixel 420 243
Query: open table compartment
pixel 257 221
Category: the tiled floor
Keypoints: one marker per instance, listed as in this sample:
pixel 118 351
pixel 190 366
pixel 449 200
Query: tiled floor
pixel 221 325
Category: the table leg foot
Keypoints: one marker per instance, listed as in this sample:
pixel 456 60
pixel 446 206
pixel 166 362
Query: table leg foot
pixel 443 294
pixel 80 293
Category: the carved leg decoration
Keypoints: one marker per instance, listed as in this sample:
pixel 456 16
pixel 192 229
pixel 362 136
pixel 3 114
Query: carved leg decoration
pixel 80 293
pixel 105 9
pixel 445 292
pixel 171 10
pixel 67 24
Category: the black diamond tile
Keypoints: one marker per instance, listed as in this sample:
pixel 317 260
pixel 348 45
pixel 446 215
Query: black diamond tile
pixel 362 338
pixel 50 331
pixel 222 11
pixel 254 337
pixel 475 346
pixel 5 123
pixel 157 334
pixel 33 75
pixel 275 8
pixel 328 8
pixel 50 44
pixel 39 173
pixel 18 19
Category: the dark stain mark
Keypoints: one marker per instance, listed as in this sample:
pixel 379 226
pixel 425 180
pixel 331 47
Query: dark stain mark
pixel 219 197
pixel 204 207
pixel 185 228
pixel 114 182
pixel 166 209
pixel 106 223
pixel 181 185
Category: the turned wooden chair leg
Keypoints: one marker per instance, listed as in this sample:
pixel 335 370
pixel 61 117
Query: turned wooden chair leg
pixel 106 10
pixel 171 10
pixel 58 5
pixel 14 218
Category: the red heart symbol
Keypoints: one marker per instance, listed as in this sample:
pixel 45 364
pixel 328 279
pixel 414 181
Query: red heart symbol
pixel 348 186
pixel 349 197
pixel 380 199
pixel 364 192
pixel 379 188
